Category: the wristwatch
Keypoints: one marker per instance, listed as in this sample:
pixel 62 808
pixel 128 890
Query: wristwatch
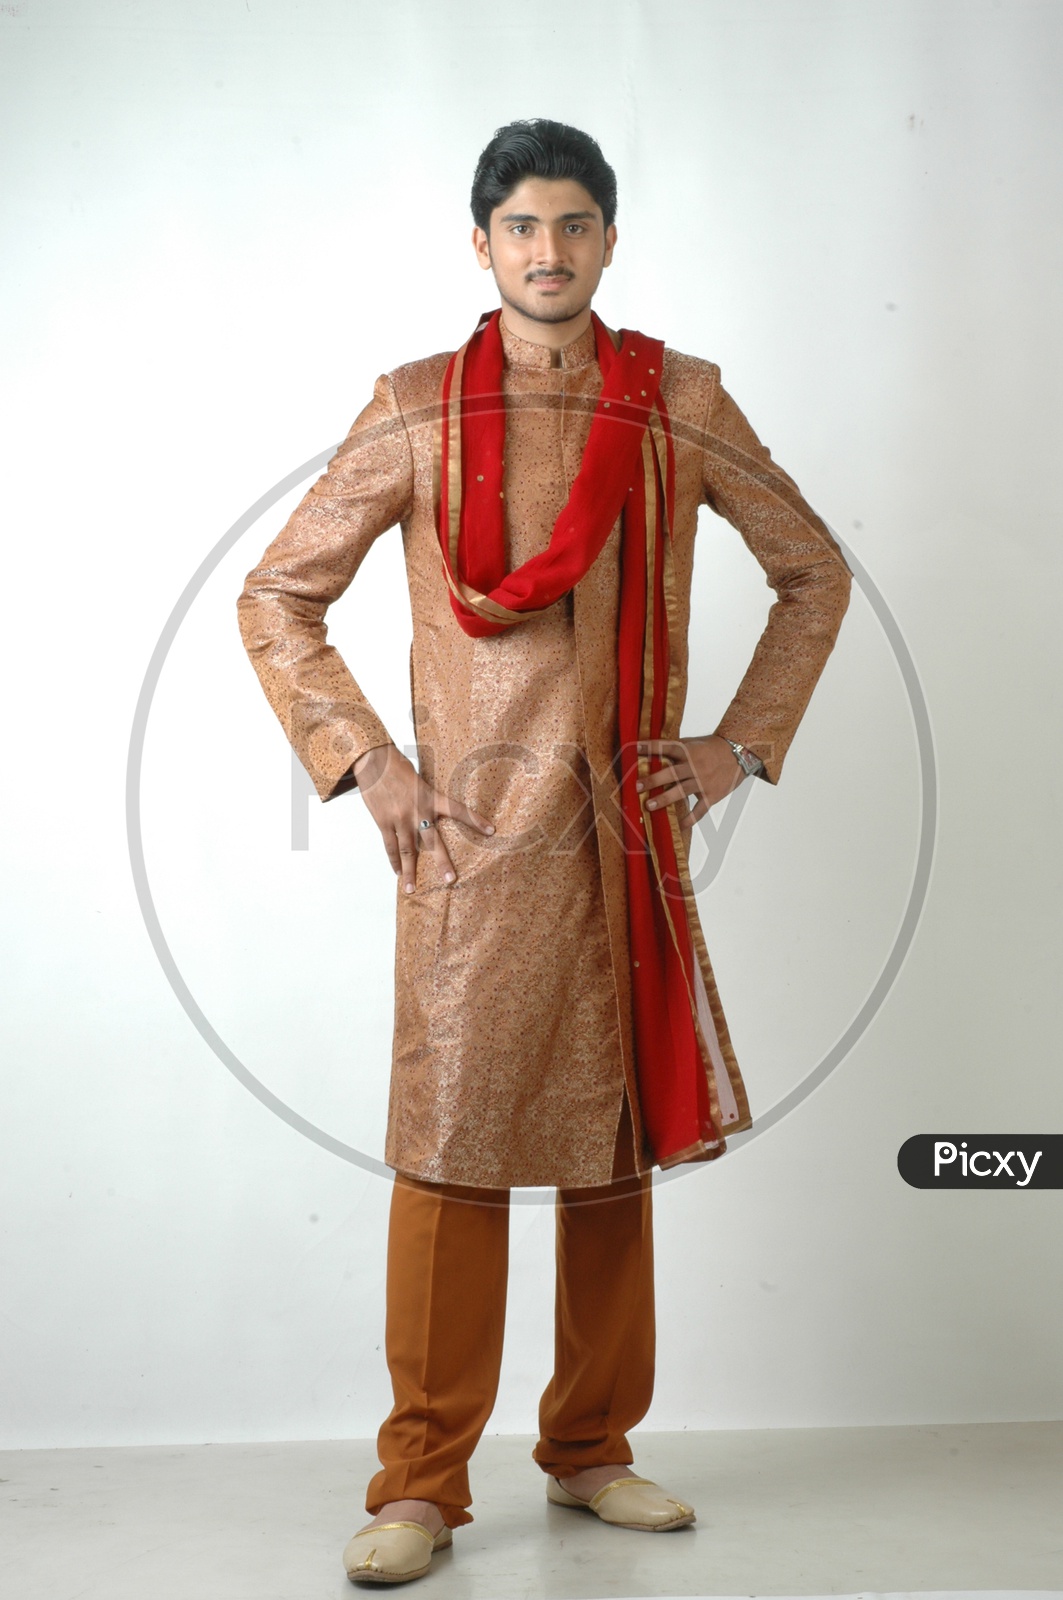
pixel 751 765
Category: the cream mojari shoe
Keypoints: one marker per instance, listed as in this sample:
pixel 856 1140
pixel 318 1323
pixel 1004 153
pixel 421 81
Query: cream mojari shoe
pixel 628 1503
pixel 392 1552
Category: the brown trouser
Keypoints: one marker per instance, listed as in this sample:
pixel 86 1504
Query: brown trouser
pixel 448 1258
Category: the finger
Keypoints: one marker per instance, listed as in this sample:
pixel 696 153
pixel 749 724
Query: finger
pixel 445 807
pixel 391 845
pixel 407 844
pixel 661 747
pixel 695 814
pixel 428 837
pixel 669 797
pixel 442 855
pixel 672 774
pixel 431 842
pixel 650 779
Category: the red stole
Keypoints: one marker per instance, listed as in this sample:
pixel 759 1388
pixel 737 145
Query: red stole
pixel 628 470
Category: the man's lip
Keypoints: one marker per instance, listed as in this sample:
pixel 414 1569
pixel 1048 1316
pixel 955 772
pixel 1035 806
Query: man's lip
pixel 552 283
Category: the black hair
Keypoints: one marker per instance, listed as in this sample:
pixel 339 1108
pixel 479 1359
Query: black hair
pixel 538 148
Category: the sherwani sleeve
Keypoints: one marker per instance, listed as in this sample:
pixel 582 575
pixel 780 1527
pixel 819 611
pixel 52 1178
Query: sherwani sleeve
pixel 802 564
pixel 365 489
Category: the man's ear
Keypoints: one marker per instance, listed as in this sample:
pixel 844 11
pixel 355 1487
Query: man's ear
pixel 610 241
pixel 482 247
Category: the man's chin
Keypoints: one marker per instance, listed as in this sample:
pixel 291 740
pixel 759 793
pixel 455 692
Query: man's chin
pixel 543 309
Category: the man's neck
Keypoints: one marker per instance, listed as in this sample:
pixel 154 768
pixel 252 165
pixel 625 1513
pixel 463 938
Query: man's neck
pixel 554 335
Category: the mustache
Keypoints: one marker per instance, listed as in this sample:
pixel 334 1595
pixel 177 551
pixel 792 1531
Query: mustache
pixel 561 273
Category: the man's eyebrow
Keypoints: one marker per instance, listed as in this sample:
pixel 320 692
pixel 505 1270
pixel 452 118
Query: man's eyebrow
pixel 529 216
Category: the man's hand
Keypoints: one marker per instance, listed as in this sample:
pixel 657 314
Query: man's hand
pixel 399 800
pixel 706 767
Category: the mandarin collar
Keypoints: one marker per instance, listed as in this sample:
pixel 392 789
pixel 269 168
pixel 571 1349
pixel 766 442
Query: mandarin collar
pixel 520 352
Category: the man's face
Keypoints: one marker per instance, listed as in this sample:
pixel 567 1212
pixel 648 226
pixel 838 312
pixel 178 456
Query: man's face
pixel 547 246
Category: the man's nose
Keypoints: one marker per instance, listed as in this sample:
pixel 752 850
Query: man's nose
pixel 551 246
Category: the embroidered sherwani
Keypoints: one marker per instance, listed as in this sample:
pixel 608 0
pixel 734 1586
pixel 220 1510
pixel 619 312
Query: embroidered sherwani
pixel 513 1048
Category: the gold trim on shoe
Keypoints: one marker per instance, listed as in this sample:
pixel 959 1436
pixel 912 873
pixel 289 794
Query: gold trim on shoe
pixel 382 1527
pixel 372 1557
pixel 654 1519
pixel 618 1483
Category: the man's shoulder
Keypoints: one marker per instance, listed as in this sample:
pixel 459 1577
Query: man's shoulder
pixel 688 384
pixel 418 382
pixel 690 371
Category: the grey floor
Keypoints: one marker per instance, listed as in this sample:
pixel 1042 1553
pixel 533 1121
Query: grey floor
pixel 853 1511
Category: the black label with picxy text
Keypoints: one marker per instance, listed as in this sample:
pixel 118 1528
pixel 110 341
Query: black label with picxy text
pixel 982 1161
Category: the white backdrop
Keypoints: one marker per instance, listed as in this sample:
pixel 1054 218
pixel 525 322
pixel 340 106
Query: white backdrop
pixel 224 218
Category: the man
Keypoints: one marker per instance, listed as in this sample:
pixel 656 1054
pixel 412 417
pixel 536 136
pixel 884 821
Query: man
pixel 557 1022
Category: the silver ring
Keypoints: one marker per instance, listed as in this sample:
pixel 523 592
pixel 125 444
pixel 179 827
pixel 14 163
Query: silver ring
pixel 426 824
